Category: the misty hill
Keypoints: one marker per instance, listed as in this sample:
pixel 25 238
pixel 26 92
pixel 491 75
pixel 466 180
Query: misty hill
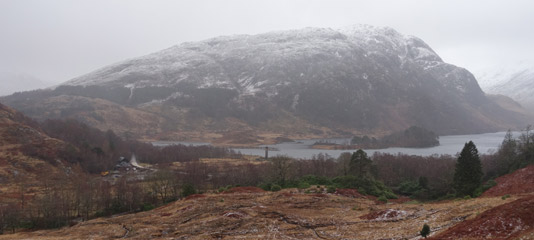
pixel 12 83
pixel 312 81
pixel 515 81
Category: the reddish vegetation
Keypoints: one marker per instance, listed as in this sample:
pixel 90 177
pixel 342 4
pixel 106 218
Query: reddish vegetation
pixel 287 194
pixel 520 181
pixel 506 221
pixel 195 196
pixel 321 195
pixel 244 190
pixel 353 193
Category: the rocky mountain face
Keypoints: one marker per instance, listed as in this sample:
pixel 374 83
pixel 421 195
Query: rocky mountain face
pixel 515 81
pixel 312 81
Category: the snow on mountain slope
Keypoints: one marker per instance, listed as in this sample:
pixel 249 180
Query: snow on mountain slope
pixel 351 80
pixel 515 81
pixel 240 61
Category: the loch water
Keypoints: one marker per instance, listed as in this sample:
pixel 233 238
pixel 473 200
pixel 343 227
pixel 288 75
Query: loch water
pixel 451 145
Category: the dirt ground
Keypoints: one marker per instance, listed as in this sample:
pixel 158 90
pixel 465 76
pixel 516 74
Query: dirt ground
pixel 250 213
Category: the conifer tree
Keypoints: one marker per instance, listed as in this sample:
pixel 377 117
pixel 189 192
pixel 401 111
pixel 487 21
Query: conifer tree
pixel 425 231
pixel 360 164
pixel 468 172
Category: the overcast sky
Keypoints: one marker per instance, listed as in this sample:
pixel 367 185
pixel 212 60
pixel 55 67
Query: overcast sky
pixel 56 40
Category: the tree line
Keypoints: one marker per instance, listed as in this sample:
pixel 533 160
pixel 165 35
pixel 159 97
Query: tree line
pixel 96 151
pixel 63 200
pixel 413 136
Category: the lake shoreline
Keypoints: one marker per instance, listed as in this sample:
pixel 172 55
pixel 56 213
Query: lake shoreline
pixel 303 148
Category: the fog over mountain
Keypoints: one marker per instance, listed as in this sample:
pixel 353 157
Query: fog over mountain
pixel 515 81
pixel 12 83
pixel 358 79
pixel 58 40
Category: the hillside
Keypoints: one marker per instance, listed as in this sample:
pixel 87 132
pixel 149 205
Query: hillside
pixel 513 220
pixel 278 215
pixel 508 221
pixel 26 153
pixel 309 82
pixel 251 213
pixel 518 182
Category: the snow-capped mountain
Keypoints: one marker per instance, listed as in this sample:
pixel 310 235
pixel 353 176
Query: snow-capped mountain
pixel 251 64
pixel 515 81
pixel 356 79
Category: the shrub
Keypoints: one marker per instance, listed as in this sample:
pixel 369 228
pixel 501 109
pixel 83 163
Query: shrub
pixel 448 196
pixel 425 231
pixel 148 207
pixel 265 186
pixel 362 191
pixel 489 184
pixel 478 192
pixel 188 189
pixel 365 185
pixel 383 198
pixel 331 189
pixel 390 195
pixel 409 187
pixel 276 188
pixel 303 185
pixel 315 180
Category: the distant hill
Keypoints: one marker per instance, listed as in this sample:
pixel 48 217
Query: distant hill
pixel 360 80
pixel 515 81
pixel 12 83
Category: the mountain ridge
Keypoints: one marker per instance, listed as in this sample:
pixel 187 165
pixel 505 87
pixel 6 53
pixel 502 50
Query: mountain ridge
pixel 360 79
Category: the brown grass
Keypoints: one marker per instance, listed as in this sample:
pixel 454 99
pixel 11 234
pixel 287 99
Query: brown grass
pixel 275 215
